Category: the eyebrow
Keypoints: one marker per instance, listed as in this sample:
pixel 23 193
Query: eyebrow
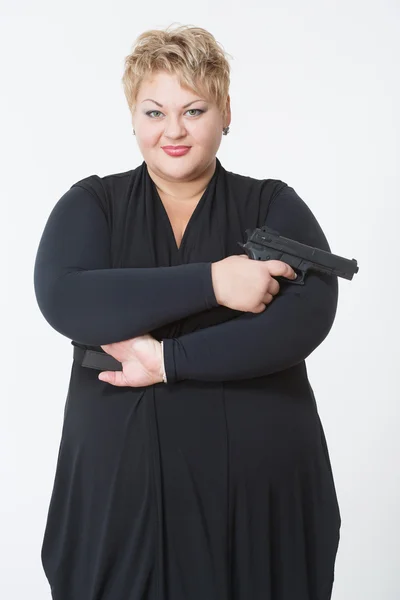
pixel 161 106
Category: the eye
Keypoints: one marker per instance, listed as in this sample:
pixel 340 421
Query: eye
pixel 153 111
pixel 150 112
pixel 194 109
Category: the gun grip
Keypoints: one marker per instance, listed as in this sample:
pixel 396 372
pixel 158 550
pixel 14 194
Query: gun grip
pixel 249 251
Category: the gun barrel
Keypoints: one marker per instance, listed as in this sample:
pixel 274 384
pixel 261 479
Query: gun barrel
pixel 328 261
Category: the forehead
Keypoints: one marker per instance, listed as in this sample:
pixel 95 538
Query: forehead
pixel 161 86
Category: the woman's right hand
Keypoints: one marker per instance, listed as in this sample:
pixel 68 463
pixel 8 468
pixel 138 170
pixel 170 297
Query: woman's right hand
pixel 247 285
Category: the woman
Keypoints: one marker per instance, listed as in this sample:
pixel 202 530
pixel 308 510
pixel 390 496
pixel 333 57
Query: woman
pixel 193 464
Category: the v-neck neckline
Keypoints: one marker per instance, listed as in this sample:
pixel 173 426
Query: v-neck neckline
pixel 169 223
pixel 193 217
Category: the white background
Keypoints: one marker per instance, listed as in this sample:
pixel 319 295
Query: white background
pixel 315 102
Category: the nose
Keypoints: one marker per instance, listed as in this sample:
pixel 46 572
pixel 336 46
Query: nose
pixel 174 129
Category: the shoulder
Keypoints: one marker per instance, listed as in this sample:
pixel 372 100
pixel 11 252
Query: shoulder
pixel 287 200
pixel 293 218
pixel 98 184
pixel 266 186
pixel 107 189
pixel 286 211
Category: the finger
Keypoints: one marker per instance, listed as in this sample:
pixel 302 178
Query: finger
pixel 278 267
pixel 118 350
pixel 268 298
pixel 259 309
pixel 114 377
pixel 273 287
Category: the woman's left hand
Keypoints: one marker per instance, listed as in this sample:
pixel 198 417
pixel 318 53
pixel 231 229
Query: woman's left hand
pixel 141 360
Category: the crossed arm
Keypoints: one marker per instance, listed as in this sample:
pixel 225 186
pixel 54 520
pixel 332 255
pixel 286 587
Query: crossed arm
pixel 290 328
pixel 86 300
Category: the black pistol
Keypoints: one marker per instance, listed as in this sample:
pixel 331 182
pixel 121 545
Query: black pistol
pixel 264 243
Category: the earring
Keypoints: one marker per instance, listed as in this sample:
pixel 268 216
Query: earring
pixel 226 130
pixel 133 132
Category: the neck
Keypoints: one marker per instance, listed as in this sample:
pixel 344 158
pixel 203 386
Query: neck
pixel 184 190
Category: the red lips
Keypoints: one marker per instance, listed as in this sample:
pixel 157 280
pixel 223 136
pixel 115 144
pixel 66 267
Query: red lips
pixel 176 150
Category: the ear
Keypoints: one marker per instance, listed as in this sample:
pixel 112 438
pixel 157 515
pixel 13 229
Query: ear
pixel 228 114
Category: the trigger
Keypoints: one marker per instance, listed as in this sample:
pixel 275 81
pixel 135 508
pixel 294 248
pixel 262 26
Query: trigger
pixel 298 281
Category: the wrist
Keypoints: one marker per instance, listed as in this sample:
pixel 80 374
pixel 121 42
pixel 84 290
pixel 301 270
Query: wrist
pixel 214 279
pixel 163 376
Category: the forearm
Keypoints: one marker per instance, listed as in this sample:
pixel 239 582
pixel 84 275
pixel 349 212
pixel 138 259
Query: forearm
pixel 104 306
pixel 84 298
pixel 255 345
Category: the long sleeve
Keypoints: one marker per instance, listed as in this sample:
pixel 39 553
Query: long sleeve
pixel 289 329
pixel 86 300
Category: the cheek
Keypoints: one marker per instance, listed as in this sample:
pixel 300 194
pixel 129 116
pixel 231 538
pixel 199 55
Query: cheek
pixel 208 139
pixel 206 134
pixel 149 138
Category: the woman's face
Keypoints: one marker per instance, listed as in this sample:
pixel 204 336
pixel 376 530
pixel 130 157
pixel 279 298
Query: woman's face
pixel 172 123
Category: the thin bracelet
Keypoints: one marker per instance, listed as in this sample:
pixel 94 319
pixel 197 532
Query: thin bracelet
pixel 164 375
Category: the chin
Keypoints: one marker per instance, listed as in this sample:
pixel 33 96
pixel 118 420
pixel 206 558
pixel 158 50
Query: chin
pixel 176 167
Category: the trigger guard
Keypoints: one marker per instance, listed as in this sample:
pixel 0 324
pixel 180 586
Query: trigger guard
pixel 298 281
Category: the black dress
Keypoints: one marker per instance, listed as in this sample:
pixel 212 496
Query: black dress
pixel 217 485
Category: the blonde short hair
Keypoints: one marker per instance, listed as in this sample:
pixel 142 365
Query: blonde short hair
pixel 190 52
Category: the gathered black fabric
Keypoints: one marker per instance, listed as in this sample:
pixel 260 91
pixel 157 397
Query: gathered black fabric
pixel 217 485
